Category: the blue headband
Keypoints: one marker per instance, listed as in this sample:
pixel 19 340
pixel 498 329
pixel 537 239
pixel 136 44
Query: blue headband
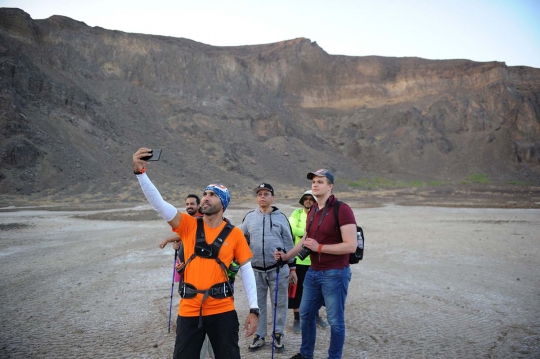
pixel 222 192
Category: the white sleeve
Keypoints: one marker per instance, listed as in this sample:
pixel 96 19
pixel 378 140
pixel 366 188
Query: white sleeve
pixel 248 279
pixel 164 209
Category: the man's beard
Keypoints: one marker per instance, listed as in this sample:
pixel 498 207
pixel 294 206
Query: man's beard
pixel 211 209
pixel 192 211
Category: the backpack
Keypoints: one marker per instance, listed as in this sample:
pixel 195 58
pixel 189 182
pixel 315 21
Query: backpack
pixel 233 268
pixel 209 251
pixel 359 254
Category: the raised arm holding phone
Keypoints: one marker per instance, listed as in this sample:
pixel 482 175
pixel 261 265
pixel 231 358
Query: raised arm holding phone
pixel 207 305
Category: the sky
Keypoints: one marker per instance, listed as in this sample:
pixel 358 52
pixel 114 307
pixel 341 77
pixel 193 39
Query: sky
pixel 478 30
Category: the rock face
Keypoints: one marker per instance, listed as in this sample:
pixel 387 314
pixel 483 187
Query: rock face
pixel 77 101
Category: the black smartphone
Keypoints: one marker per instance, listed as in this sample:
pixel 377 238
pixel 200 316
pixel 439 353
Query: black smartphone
pixel 156 154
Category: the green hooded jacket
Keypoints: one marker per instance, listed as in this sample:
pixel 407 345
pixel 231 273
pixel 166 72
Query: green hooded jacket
pixel 298 224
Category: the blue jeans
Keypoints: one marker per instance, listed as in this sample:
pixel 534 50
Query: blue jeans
pixel 329 287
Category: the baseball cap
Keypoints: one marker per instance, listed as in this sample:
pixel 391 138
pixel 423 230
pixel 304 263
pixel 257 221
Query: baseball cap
pixel 306 193
pixel 265 186
pixel 323 173
pixel 222 192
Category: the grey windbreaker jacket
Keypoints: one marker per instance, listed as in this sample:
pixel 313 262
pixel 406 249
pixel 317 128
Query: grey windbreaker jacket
pixel 265 233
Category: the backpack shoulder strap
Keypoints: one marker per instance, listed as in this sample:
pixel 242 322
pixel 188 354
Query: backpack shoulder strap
pixel 216 245
pixel 199 236
pixel 181 252
pixel 218 242
pixel 336 213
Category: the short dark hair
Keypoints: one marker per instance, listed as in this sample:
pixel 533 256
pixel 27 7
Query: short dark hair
pixel 194 196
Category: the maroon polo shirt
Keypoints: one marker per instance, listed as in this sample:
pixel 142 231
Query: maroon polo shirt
pixel 327 233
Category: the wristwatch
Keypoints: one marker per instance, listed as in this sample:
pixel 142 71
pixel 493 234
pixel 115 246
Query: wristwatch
pixel 255 311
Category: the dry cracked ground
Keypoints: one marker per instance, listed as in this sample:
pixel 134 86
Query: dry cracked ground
pixel 435 282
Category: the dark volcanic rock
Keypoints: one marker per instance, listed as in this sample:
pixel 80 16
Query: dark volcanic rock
pixel 76 102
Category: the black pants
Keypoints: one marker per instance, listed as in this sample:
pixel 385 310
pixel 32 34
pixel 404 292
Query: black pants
pixel 301 270
pixel 222 330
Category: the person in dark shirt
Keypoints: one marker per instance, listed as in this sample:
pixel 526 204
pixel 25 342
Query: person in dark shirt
pixel 327 280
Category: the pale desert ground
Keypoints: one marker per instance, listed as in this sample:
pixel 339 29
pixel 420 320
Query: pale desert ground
pixel 435 283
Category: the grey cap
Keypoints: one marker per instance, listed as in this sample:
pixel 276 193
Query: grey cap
pixel 323 173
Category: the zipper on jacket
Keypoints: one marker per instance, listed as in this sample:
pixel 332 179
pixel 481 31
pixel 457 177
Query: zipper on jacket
pixel 264 259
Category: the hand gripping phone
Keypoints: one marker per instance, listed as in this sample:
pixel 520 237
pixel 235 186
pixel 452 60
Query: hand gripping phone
pixel 156 154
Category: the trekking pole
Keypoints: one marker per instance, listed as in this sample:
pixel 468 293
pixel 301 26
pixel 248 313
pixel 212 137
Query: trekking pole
pixel 276 302
pixel 172 288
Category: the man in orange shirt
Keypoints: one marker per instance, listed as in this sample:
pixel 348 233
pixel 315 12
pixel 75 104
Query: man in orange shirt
pixel 207 307
pixel 192 208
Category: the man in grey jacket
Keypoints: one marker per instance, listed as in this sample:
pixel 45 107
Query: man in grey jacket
pixel 266 229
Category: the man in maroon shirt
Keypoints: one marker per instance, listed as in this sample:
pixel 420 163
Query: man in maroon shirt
pixel 327 280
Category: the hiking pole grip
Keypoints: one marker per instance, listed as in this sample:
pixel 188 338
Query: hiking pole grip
pixel 280 261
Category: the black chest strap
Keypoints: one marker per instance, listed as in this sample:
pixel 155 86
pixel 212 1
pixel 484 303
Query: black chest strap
pixel 207 251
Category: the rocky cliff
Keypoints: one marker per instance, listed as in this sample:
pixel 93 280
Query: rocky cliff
pixel 77 101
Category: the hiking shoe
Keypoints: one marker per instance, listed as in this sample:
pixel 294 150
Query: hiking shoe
pixel 298 356
pixel 278 345
pixel 321 323
pixel 296 326
pixel 258 342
